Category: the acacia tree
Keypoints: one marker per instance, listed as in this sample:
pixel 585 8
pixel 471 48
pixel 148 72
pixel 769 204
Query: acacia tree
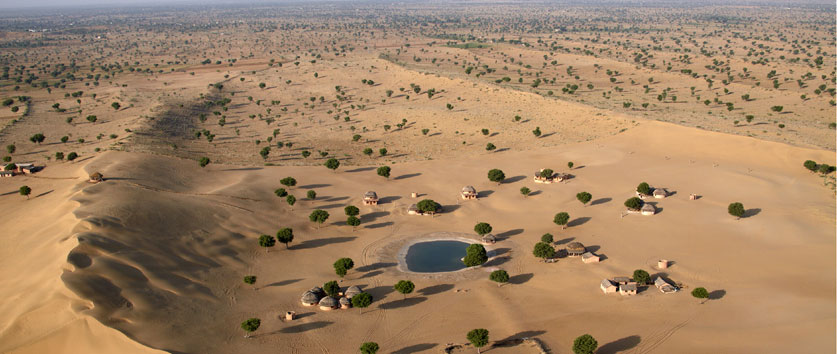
pixel 475 255
pixel 496 175
pixel 561 219
pixel 332 164
pixel 312 194
pixel 810 165
pixel 634 203
pixel 700 293
pixel 291 200
pixel 643 188
pixel 736 209
pixel 342 266
pixel 288 182
pixel 351 210
pixel 427 206
pixel 250 325
pixel 585 344
pixel 318 216
pixel 584 197
pixel 285 235
pixel 25 191
pixel 547 238
pixel 203 161
pixel 384 171
pixel 404 287
pixel 482 228
pixel 369 347
pixel 267 241
pixel 250 279
pixel 478 338
pixel 499 276
pixel 570 165
pixel 353 221
pixel 362 301
pixel 525 191
pixel 331 288
pixel 642 277
pixel 543 250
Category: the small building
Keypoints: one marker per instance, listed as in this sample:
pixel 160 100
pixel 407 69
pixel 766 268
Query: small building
pixel 328 303
pixel 608 287
pixel 622 280
pixel 345 303
pixel 96 177
pixel 7 173
pixel 540 178
pixel 627 289
pixel 352 291
pixel 693 196
pixel 290 316
pixel 414 195
pixel 489 239
pixel 310 299
pixel 660 193
pixel 469 192
pixel 25 167
pixel 648 209
pixel 413 210
pixel 664 286
pixel 575 249
pixel 589 257
pixel 662 264
pixel 370 198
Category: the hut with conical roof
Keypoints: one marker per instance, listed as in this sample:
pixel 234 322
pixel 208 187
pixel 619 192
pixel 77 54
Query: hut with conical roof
pixel 345 303
pixel 310 299
pixel 352 291
pixel 328 303
pixel 659 193
pixel 370 198
pixel 96 177
pixel 575 249
pixel 648 209
pixel 489 239
pixel 469 192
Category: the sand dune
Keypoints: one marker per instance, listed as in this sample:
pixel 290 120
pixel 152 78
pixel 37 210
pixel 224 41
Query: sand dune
pixel 158 252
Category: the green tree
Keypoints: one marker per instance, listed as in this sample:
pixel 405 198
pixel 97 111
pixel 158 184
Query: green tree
pixel 570 165
pixel 285 235
pixel 353 221
pixel 499 276
pixel 351 210
pixel 362 301
pixel 482 228
pixel 281 192
pixel 585 344
pixel 72 156
pixel 370 347
pixel 92 118
pixel 478 338
pixel 537 132
pixel 825 168
pixel 265 152
pixel 267 241
pixel 546 173
pixel 332 164
pixel 547 238
pixel 288 182
pixel 59 155
pixel 404 287
pixel 736 209
pixel 384 171
pixel 305 154
pixel 342 266
pixel 291 200
pixel 427 206
pixel 367 151
pixel 584 197
pixel 250 325
pixel 642 277
pixel 496 175
pixel 11 148
pixel 250 279
pixel 810 165
pixel 777 109
pixel 312 194
pixel 203 161
pixel 356 137
pixel 525 191
pixel 383 152
pixel 643 188
pixel 25 191
pixel 318 216
pixel 543 250
pixel 634 203
pixel 115 105
pixel 561 219
pixel 37 138
pixel 475 255
pixel 490 147
pixel 64 139
pixel 700 293
pixel 331 288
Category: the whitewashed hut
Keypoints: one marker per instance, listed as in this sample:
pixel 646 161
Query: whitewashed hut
pixel 352 291
pixel 370 198
pixel 648 209
pixel 659 193
pixel 310 299
pixel 664 286
pixel 96 177
pixel 608 287
pixel 489 239
pixel 469 192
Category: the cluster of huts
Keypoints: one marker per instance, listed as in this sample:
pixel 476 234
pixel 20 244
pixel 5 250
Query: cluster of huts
pixel 625 286
pixel 20 169
pixel 553 178
pixel 316 296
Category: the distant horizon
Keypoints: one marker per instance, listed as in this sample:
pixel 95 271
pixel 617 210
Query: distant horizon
pixel 110 4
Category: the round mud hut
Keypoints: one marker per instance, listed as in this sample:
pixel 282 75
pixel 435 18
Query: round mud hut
pixel 352 291
pixel 328 303
pixel 575 249
pixel 345 303
pixel 310 299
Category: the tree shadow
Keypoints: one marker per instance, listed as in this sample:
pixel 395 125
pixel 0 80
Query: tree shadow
pixel 717 294
pixel 415 348
pixel 521 335
pixel 283 282
pixel 303 315
pixel 305 327
pixel 435 289
pixel 335 199
pixel 521 278
pixel 379 225
pixel 751 212
pixel 361 169
pixel 452 207
pixel 504 235
pixel 409 175
pixel 312 186
pixel 485 193
pixel 537 192
pixel 379 292
pixel 244 169
pixel 600 201
pixel 513 179
pixel 375 266
pixel 319 242
pixel 578 221
pixel 371 274
pixel 564 240
pixel 619 345
pixel 389 199
pixel 44 193
pixel 329 206
pixel 593 248
pixel 410 301
pixel 496 261
pixel 373 216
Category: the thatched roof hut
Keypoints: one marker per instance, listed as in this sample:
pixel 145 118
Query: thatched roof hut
pixel 648 209
pixel 370 198
pixel 318 291
pixel 489 239
pixel 310 299
pixel 659 193
pixel 352 291
pixel 575 249
pixel 96 177
pixel 328 303
pixel 345 303
pixel 469 192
